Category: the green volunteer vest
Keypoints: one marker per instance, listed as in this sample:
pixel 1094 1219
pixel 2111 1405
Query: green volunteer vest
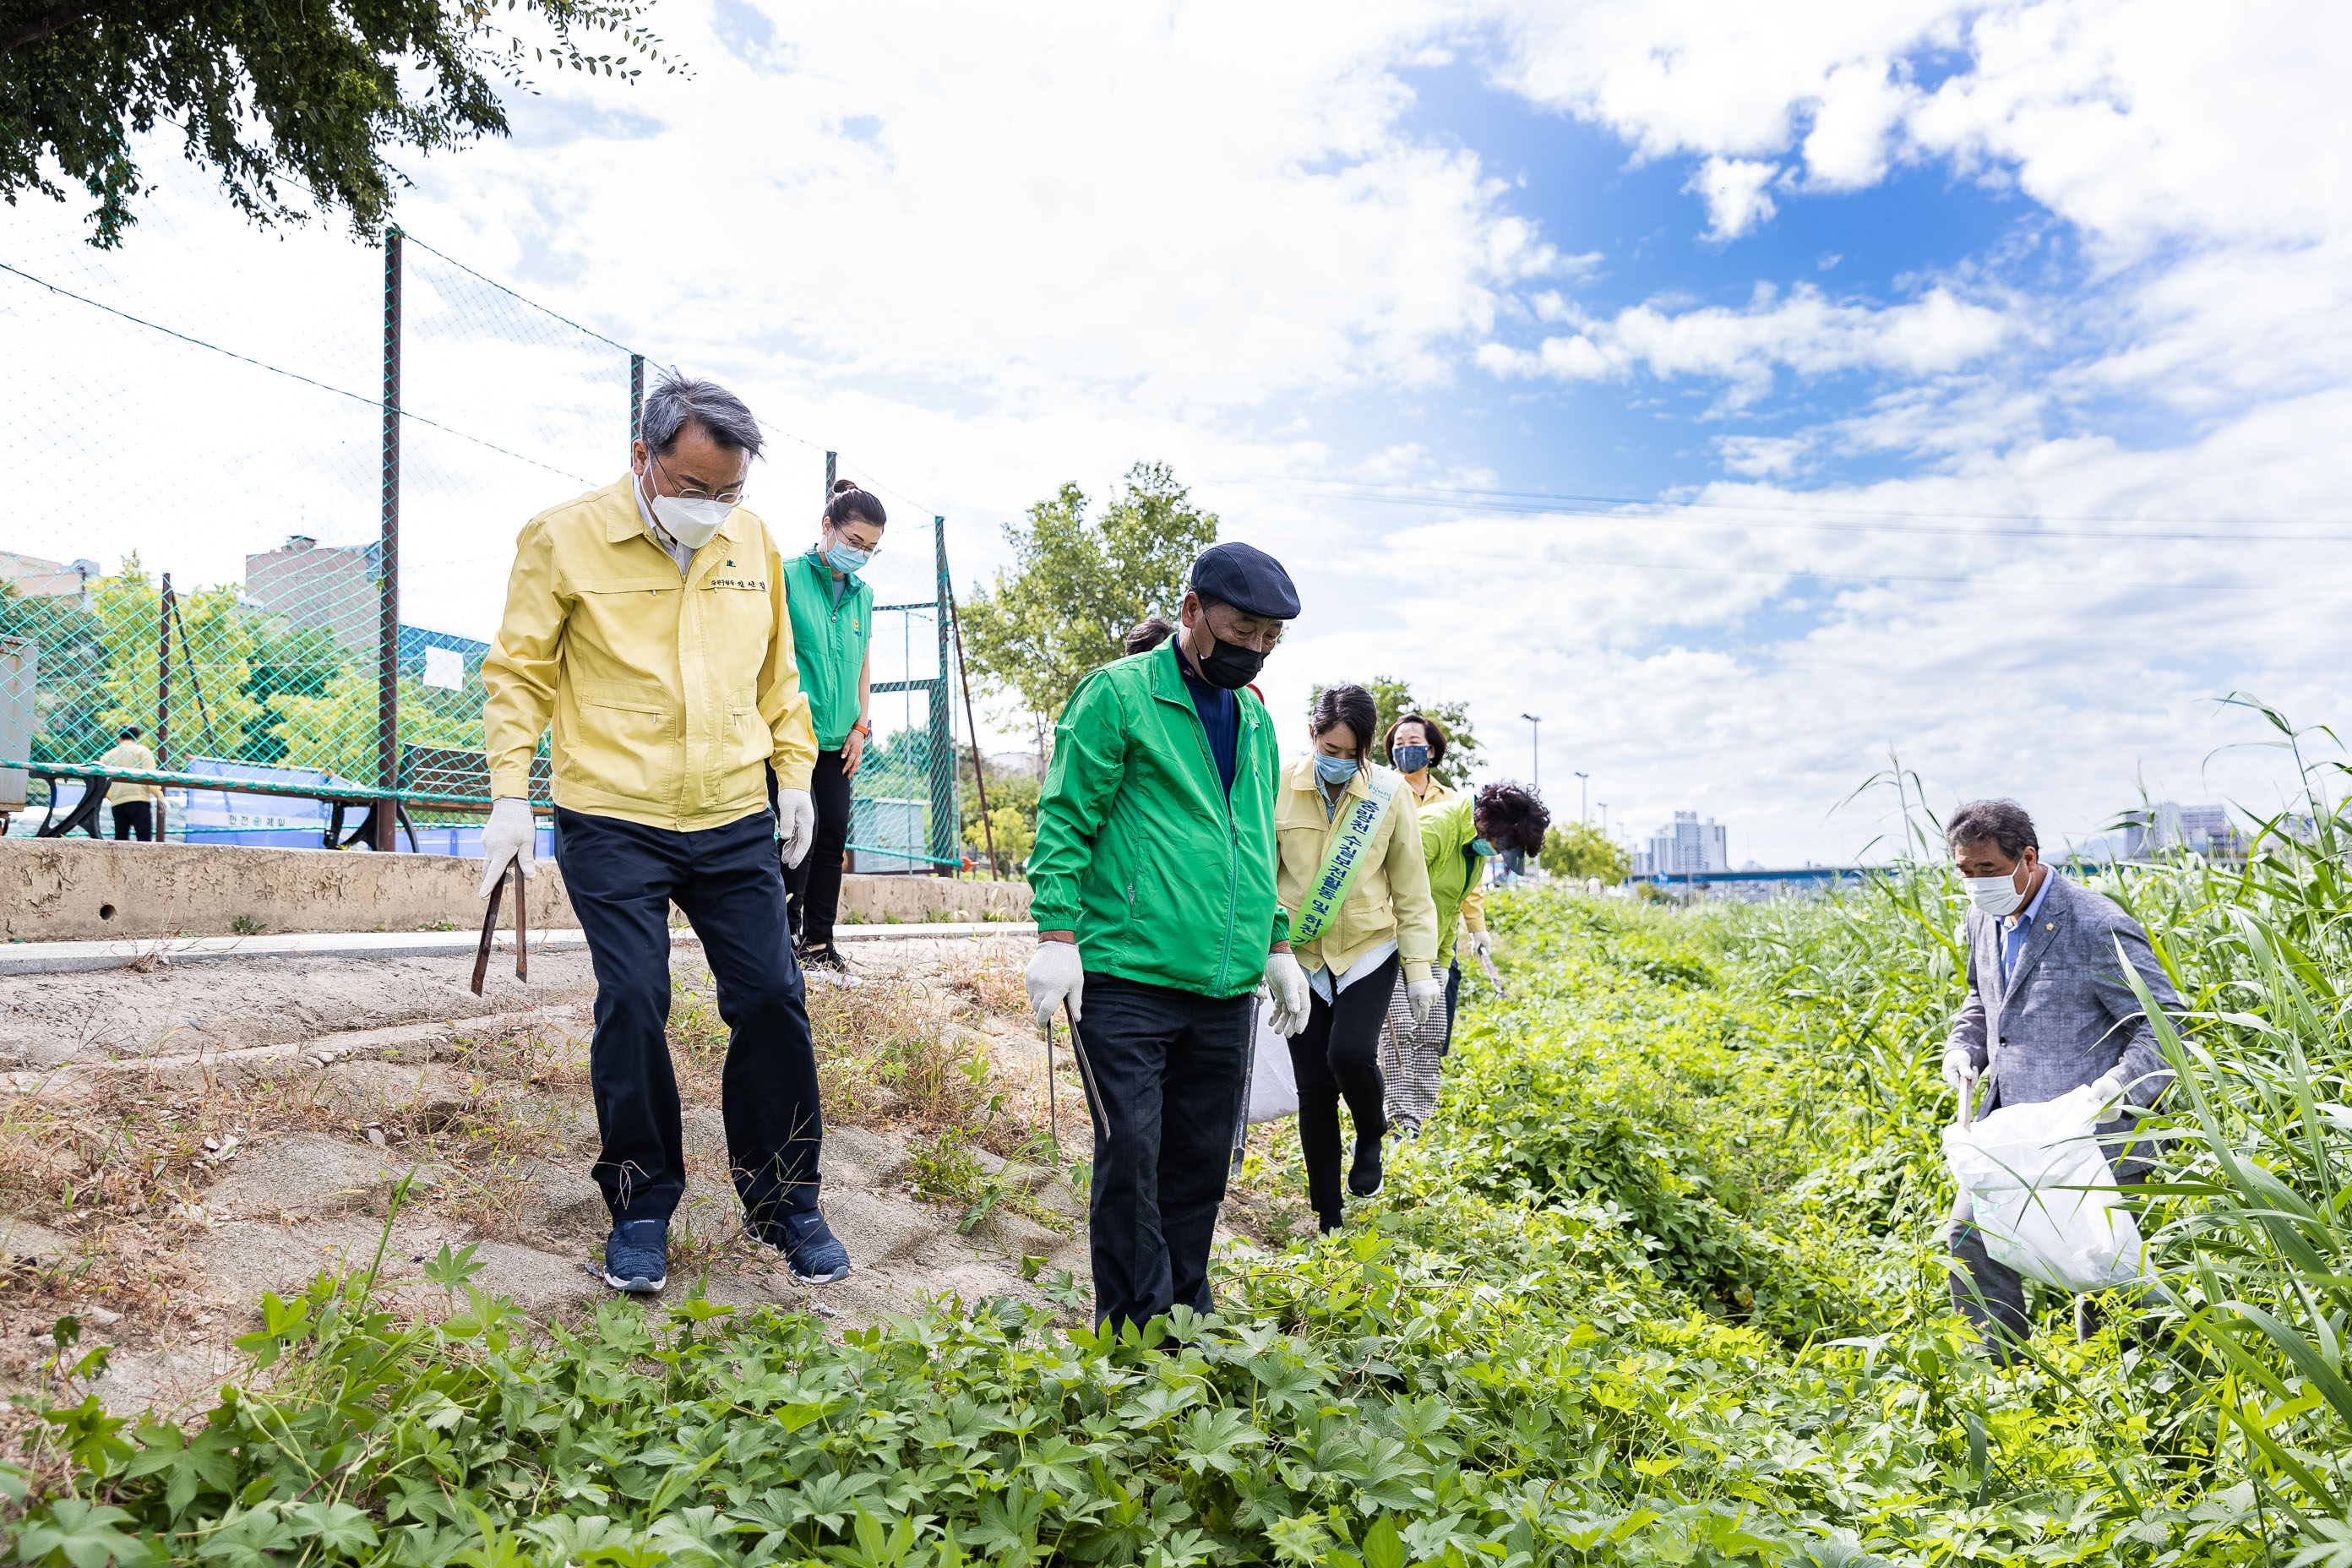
pixel 829 640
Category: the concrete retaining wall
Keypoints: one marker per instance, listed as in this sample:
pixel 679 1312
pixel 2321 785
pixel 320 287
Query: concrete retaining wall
pixel 58 889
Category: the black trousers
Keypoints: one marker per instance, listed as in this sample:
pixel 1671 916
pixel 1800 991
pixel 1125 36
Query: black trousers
pixel 1169 1065
pixel 134 819
pixel 816 883
pixel 1339 1055
pixel 623 877
pixel 1452 995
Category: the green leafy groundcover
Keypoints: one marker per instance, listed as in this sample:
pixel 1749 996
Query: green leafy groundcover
pixel 1655 1288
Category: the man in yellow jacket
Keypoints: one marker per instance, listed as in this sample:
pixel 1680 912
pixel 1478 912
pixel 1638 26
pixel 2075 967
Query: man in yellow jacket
pixel 647 622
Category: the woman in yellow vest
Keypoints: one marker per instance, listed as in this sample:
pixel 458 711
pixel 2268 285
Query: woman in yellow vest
pixel 833 635
pixel 1352 879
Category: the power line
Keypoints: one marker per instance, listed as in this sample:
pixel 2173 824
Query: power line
pixel 289 375
pixel 408 238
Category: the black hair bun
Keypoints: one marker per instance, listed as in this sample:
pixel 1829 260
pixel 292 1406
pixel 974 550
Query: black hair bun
pixel 842 486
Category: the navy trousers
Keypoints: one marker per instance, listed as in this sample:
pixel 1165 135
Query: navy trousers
pixel 623 877
pixel 1171 1066
pixel 1340 1056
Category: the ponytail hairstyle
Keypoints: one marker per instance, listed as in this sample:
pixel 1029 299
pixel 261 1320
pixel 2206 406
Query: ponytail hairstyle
pixel 850 504
pixel 1349 705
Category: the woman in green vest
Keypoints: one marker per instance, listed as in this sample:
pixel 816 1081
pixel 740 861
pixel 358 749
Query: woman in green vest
pixel 833 634
pixel 1458 835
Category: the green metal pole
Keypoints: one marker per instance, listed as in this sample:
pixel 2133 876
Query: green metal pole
pixel 636 396
pixel 387 718
pixel 831 458
pixel 946 815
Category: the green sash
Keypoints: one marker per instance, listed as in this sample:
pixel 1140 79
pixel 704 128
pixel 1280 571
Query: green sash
pixel 1340 867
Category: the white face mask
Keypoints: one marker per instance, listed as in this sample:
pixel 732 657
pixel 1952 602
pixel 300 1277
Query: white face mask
pixel 690 522
pixel 1996 895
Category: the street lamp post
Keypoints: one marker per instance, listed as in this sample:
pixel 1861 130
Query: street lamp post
pixel 1604 819
pixel 1535 745
pixel 1583 789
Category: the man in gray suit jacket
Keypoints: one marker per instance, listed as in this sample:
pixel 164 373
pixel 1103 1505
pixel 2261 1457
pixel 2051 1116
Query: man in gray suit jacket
pixel 2048 1011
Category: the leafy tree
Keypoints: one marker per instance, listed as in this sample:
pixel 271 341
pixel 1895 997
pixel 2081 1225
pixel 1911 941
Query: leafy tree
pixel 1578 851
pixel 1392 699
pixel 1078 585
pixel 286 99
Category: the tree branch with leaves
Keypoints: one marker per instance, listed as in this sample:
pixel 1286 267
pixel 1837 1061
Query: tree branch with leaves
pixel 293 103
pixel 1078 584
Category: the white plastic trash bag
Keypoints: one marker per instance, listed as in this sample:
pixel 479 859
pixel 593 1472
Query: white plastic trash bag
pixel 1273 1086
pixel 2044 1195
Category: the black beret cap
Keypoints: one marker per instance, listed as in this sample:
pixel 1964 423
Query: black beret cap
pixel 1248 579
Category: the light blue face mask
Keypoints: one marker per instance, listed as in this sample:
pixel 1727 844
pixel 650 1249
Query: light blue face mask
pixel 1409 759
pixel 1480 846
pixel 847 558
pixel 1334 770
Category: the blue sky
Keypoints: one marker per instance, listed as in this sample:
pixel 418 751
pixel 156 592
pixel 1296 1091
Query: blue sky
pixel 1925 316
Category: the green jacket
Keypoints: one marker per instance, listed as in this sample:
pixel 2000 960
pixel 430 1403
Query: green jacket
pixel 829 640
pixel 1165 879
pixel 1447 826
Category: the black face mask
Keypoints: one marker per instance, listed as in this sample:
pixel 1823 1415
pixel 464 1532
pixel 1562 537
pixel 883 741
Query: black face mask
pixel 1228 665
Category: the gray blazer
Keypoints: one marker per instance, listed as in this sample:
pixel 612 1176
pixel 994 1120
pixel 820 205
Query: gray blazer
pixel 2066 1015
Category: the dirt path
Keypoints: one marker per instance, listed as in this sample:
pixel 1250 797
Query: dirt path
pixel 177 1143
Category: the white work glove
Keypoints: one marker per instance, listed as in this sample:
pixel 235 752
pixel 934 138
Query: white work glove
pixel 1056 975
pixel 1421 995
pixel 1958 1068
pixel 511 835
pixel 1285 987
pixel 1482 944
pixel 2108 1087
pixel 795 824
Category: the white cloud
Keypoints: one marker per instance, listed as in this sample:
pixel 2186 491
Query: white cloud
pixel 1735 191
pixel 1804 330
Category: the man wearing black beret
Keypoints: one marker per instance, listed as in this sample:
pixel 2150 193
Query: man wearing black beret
pixel 1153 882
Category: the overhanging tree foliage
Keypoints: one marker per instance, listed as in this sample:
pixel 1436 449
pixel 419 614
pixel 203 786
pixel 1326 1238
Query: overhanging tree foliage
pixel 1078 586
pixel 292 101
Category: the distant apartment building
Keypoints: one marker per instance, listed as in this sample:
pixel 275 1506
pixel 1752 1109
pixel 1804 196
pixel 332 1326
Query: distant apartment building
pixel 331 586
pixel 1684 846
pixel 34 578
pixel 2166 825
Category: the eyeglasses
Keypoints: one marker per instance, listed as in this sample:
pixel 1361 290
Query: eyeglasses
pixel 730 495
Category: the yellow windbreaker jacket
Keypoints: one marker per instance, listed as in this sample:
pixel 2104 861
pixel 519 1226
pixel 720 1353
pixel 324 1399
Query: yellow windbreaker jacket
pixel 670 695
pixel 1389 899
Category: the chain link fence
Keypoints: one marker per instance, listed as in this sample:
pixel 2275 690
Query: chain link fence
pixel 267 486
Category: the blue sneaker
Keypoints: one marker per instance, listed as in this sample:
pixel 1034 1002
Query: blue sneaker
pixel 810 1250
pixel 637 1256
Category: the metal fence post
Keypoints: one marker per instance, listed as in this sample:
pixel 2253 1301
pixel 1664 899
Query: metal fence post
pixel 636 397
pixel 163 673
pixel 387 716
pixel 830 459
pixel 947 815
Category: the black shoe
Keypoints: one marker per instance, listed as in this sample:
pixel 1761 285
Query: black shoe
pixel 810 1250
pixel 1365 1176
pixel 823 962
pixel 637 1257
